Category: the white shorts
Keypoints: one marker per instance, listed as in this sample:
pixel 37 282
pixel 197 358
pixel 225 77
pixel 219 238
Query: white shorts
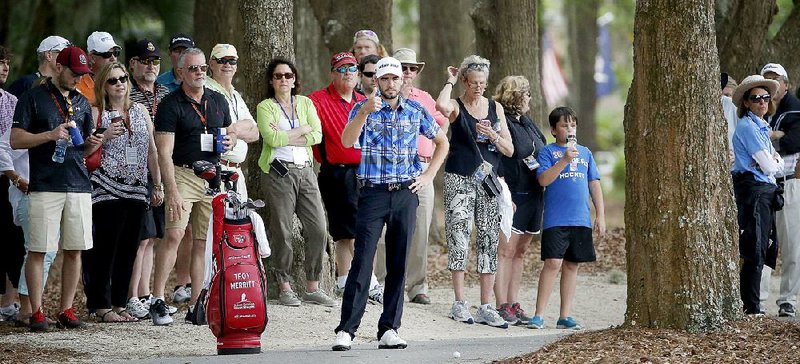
pixel 67 213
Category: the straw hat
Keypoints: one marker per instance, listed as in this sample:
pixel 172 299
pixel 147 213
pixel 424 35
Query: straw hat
pixel 754 81
pixel 408 56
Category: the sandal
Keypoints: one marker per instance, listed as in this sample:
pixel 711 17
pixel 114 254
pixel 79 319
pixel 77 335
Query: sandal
pixel 126 316
pixel 105 318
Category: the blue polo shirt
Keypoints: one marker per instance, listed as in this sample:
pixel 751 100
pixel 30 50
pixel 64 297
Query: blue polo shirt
pixel 389 141
pixel 168 79
pixel 751 136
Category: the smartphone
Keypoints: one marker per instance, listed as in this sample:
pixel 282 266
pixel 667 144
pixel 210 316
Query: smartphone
pixel 279 167
pixel 99 131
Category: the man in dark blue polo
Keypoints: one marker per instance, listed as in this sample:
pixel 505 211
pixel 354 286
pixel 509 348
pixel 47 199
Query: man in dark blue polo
pixel 390 175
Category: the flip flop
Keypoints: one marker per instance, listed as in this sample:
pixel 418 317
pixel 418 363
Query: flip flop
pixel 105 319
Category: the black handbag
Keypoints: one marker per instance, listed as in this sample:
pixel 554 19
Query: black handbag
pixel 490 182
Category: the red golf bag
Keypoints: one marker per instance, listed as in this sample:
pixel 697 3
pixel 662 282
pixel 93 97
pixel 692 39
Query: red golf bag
pixel 236 309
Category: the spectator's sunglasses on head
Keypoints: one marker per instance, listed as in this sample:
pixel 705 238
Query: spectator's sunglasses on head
pixel 344 69
pixel 410 68
pixel 120 79
pixel 230 61
pixel 107 55
pixel 757 98
pixel 197 68
pixel 149 61
pixel 278 76
pixel 478 66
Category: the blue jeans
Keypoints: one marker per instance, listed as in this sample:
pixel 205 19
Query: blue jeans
pixel 20 203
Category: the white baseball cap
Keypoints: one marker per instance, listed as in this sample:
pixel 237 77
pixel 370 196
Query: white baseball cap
pixel 388 65
pixel 775 68
pixel 100 42
pixel 53 43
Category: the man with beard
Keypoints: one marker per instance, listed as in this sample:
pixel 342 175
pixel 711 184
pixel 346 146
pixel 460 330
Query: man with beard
pixel 60 191
pixel 390 175
pixel 185 124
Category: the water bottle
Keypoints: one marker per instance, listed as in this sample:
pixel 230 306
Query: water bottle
pixel 61 150
pixel 220 137
pixel 496 128
pixel 75 134
pixel 572 142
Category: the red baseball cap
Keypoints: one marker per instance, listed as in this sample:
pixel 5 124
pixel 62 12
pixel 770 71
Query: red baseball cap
pixel 343 58
pixel 74 58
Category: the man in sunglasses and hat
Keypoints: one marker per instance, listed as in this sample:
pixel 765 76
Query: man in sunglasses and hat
pixel 46 54
pixel 102 51
pixel 60 192
pixel 179 43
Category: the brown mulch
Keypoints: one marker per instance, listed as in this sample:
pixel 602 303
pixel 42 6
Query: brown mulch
pixel 22 353
pixel 752 340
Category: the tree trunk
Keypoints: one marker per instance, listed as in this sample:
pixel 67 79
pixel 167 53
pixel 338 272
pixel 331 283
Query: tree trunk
pixel 341 19
pixel 743 36
pixel 217 21
pixel 312 57
pixel 582 30
pixel 268 34
pixel 680 217
pixel 507 34
pixel 454 40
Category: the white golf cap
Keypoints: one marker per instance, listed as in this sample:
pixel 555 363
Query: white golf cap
pixel 52 43
pixel 776 69
pixel 100 42
pixel 388 65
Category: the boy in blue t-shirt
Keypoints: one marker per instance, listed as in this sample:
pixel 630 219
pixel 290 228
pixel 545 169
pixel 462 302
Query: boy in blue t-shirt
pixel 570 177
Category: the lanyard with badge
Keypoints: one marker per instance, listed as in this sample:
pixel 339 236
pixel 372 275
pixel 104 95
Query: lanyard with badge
pixel 299 154
pixel 131 153
pixel 206 139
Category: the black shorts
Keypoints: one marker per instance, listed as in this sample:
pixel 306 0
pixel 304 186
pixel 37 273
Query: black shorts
pixel 528 216
pixel 153 223
pixel 571 243
pixel 338 186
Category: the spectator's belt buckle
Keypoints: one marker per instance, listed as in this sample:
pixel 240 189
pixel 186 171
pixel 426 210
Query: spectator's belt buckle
pixel 394 186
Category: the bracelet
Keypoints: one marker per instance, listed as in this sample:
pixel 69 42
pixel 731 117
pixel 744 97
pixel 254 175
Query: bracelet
pixel 496 139
pixel 449 83
pixel 159 187
pixel 16 181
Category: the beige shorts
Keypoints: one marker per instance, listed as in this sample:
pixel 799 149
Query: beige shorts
pixel 64 214
pixel 197 206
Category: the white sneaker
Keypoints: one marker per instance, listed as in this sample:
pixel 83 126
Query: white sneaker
pixel 182 294
pixel 136 309
pixel 376 295
pixel 490 316
pixel 343 341
pixel 159 313
pixel 460 312
pixel 10 312
pixel 391 340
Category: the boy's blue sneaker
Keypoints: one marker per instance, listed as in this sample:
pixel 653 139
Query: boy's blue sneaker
pixel 536 322
pixel 568 323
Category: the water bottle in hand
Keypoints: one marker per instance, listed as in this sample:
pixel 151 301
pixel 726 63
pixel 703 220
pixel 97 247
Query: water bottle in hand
pixel 572 142
pixel 61 151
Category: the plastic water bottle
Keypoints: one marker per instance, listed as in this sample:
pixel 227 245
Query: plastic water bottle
pixel 491 145
pixel 572 142
pixel 61 150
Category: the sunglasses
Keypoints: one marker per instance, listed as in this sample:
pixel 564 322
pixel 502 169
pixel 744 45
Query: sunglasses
pixel 478 66
pixel 368 74
pixel 113 81
pixel 149 62
pixel 344 69
pixel 229 61
pixel 758 98
pixel 108 54
pixel 365 33
pixel 197 67
pixel 278 76
pixel 410 68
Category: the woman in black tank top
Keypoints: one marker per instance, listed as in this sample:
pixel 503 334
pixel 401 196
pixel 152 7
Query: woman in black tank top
pixel 479 133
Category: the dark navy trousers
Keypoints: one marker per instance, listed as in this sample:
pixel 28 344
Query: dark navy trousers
pixel 397 210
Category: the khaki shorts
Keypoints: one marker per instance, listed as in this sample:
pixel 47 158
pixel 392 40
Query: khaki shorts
pixel 197 206
pixel 66 213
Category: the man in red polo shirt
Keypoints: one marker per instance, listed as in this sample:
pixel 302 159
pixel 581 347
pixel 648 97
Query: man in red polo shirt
pixel 338 165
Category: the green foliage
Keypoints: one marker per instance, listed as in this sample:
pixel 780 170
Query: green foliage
pixel 784 9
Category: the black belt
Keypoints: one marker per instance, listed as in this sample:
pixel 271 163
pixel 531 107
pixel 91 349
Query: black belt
pixel 785 178
pixel 387 186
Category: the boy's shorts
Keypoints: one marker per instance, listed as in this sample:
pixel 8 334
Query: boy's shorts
pixel 571 243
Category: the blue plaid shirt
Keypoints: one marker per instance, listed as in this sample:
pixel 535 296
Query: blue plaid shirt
pixel 388 141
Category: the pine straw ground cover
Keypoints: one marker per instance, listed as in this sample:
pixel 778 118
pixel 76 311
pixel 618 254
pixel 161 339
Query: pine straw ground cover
pixel 752 340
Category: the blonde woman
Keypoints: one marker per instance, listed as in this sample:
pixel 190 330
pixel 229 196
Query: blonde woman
pixel 119 194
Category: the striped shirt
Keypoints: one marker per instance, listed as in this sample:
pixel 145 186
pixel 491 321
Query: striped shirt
pixel 146 97
pixel 389 141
